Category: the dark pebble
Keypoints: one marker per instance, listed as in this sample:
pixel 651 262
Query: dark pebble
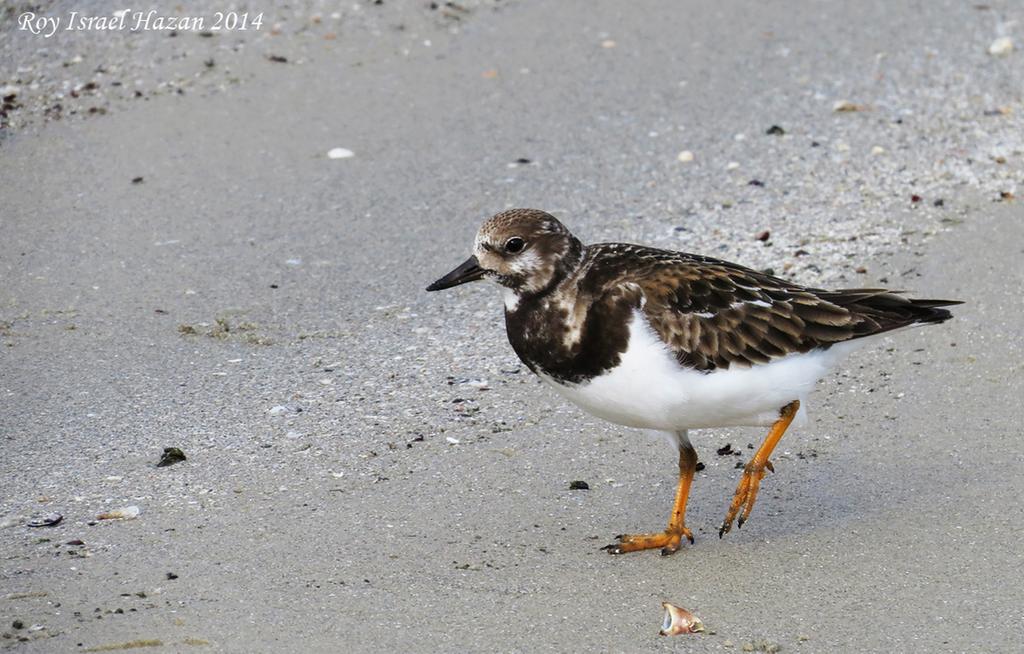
pixel 763 235
pixel 700 466
pixel 523 160
pixel 278 59
pixel 138 180
pixel 775 130
pixel 939 202
pixel 725 450
pixel 915 198
pixel 171 456
pixel 579 485
pixel 755 182
pixel 18 624
pixel 171 575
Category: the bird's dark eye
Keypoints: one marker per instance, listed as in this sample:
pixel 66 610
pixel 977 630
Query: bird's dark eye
pixel 514 245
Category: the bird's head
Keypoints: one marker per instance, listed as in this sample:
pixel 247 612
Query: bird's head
pixel 525 250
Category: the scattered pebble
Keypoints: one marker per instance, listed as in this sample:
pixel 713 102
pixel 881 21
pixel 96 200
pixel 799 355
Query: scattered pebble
pixel 685 156
pixel 138 180
pixel 725 450
pixel 285 409
pixel 579 485
pixel 170 456
pixel 340 153
pixel 1001 47
pixel 877 150
pixel 732 165
pixel 608 43
pixel 452 440
pixel 763 235
pixel 775 130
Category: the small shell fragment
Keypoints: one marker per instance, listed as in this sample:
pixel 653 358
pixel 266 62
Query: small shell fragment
pixel 47 520
pixel 845 106
pixel 171 456
pixel 685 156
pixel 127 513
pixel 1001 47
pixel 340 153
pixel 679 621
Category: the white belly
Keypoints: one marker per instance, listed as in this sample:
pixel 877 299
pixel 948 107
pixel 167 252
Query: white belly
pixel 650 390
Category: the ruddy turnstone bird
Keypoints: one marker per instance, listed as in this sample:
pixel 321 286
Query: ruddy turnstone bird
pixel 672 341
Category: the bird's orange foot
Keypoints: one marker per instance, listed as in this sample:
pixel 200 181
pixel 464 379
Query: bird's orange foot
pixel 668 541
pixel 746 494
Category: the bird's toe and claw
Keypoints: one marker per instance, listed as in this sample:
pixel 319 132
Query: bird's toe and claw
pixel 668 541
pixel 745 495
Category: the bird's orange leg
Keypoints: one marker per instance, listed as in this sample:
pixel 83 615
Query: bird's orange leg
pixel 670 539
pixel 753 472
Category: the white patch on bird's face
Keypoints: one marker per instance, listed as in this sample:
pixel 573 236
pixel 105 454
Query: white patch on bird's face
pixel 525 263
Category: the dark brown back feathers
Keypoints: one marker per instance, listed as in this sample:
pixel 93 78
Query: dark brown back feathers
pixel 714 314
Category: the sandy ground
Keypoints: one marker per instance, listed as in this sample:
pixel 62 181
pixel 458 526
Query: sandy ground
pixel 369 467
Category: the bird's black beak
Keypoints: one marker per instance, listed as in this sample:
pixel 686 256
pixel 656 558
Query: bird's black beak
pixel 468 271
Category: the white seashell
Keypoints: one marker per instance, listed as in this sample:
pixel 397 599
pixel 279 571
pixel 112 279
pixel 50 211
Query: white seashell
pixel 340 153
pixel 1001 47
pixel 127 513
pixel 685 156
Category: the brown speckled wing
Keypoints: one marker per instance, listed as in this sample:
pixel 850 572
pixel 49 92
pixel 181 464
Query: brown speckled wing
pixel 714 314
